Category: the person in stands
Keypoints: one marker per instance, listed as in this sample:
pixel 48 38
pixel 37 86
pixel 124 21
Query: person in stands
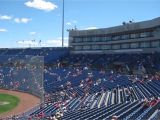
pixel 145 105
pixel 114 117
pixel 154 101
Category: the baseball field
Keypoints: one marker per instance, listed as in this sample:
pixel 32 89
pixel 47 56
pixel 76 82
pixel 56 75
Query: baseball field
pixel 15 102
pixel 8 102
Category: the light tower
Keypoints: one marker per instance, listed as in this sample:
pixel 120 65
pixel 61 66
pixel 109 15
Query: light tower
pixel 63 23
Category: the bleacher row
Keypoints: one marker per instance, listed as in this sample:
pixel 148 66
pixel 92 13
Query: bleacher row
pixel 50 54
pixel 106 104
pixel 58 76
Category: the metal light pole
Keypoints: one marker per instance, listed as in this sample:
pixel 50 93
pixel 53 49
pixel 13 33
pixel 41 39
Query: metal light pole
pixel 63 24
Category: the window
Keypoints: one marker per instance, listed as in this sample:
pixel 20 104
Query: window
pixel 132 36
pixel 106 38
pixel 155 43
pixel 78 47
pixel 95 47
pixel 144 44
pixel 158 29
pixel 124 37
pixel 149 34
pixel 116 46
pixel 86 39
pixel 100 39
pixel 144 34
pixel 77 40
pixel 86 47
pixel 106 47
pixel 115 37
pixel 96 39
pixel 134 45
pixel 103 39
pixel 125 45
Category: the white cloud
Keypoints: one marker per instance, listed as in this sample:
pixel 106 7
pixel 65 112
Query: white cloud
pixel 57 42
pixel 27 42
pixel 90 28
pixel 25 20
pixel 41 5
pixel 69 23
pixel 5 17
pixel 65 38
pixel 32 33
pixel 3 30
pixel 15 19
pixel 22 20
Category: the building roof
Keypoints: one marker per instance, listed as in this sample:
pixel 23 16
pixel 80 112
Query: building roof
pixel 118 29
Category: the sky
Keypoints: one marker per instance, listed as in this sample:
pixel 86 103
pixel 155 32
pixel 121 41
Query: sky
pixel 37 23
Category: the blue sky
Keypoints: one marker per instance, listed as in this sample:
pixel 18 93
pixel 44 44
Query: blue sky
pixel 22 21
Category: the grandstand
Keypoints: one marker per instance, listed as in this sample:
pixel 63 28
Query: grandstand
pixel 111 73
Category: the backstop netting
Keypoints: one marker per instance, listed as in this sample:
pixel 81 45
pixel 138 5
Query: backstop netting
pixel 22 73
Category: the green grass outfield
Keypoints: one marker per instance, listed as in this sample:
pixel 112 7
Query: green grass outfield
pixel 8 102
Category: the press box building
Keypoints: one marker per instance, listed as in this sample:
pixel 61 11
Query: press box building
pixel 127 38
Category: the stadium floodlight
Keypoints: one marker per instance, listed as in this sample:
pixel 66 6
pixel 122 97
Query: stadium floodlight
pixel 124 23
pixel 63 23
